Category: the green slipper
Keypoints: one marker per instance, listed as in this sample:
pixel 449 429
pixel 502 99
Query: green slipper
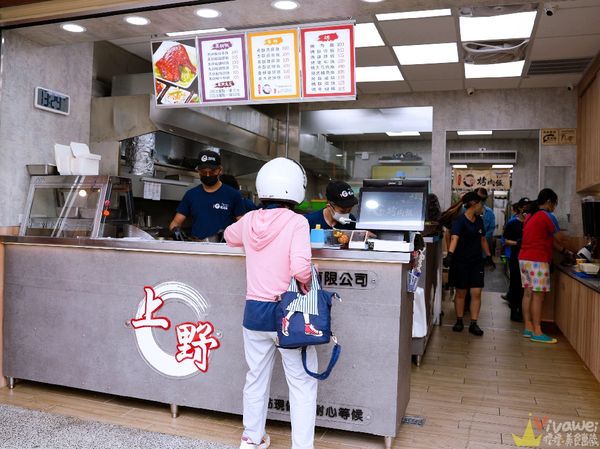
pixel 527 333
pixel 543 338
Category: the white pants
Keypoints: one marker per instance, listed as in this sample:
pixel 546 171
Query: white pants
pixel 260 356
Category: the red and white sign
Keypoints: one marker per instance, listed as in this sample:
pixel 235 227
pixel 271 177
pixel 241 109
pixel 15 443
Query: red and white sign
pixel 195 340
pixel 328 61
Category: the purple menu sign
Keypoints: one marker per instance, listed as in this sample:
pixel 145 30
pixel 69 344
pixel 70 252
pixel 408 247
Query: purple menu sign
pixel 223 68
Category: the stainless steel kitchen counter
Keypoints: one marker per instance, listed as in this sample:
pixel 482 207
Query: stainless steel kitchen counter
pixel 171 246
pixel 69 305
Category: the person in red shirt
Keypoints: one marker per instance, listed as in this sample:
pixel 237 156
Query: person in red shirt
pixel 541 234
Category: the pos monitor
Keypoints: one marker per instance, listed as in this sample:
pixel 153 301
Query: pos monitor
pixel 388 207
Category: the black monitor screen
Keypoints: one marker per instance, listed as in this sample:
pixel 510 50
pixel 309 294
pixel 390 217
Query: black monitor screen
pixel 392 209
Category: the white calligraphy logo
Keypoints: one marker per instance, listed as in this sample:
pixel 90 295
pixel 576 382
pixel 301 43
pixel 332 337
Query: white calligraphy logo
pixel 195 340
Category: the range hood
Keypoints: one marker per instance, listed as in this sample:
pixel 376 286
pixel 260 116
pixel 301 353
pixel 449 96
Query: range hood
pixel 131 112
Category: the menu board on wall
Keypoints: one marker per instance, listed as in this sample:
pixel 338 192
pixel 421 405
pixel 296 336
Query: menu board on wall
pixel 328 61
pixel 273 58
pixel 247 67
pixel 175 67
pixel 223 68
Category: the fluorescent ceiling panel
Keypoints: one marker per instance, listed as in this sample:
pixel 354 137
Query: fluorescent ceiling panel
pixel 367 35
pixel 473 133
pixel 378 73
pixel 413 14
pixel 502 70
pixel 460 166
pixel 183 33
pixel 403 133
pixel 502 166
pixel 426 53
pixel 506 26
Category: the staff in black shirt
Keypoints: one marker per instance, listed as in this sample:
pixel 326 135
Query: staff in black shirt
pixel 513 233
pixel 465 262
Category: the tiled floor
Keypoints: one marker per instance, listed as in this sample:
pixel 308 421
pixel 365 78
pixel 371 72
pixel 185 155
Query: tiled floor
pixel 474 393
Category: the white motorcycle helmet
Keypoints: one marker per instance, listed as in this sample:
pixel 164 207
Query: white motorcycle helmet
pixel 281 179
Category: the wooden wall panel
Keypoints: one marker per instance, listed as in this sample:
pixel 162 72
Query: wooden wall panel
pixel 588 138
pixel 577 314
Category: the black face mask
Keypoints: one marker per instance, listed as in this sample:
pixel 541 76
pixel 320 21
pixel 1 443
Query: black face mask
pixel 209 180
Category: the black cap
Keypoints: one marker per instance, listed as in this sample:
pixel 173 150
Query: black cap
pixel 341 194
pixel 524 201
pixel 208 159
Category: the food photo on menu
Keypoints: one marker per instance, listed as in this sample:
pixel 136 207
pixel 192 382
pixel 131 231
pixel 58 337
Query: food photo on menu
pixel 175 67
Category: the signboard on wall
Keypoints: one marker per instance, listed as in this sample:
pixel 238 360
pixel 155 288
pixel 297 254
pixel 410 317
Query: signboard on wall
pixel 273 59
pixel 223 68
pixel 328 61
pixel 468 179
pixel 175 69
pixel 277 65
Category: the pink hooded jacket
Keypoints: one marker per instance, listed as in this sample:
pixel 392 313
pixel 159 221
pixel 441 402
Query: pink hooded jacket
pixel 277 247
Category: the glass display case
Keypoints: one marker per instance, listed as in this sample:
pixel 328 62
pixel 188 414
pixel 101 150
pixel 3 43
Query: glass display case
pixel 78 206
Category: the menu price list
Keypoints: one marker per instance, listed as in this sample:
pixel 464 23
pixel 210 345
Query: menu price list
pixel 328 61
pixel 223 68
pixel 256 66
pixel 274 70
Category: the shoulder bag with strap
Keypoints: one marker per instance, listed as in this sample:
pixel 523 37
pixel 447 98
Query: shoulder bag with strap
pixel 304 320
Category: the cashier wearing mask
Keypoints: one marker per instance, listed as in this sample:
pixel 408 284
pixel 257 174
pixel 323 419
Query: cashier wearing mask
pixel 212 205
pixel 336 214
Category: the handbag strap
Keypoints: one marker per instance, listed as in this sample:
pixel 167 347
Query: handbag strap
pixel 315 285
pixel 335 355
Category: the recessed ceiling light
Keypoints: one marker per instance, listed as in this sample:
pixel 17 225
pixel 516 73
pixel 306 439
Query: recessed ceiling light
pixel 137 20
pixel 502 166
pixel 473 133
pixel 286 5
pixel 367 35
pixel 403 133
pixel 413 14
pixel 506 26
pixel 378 73
pixel 340 155
pixel 460 166
pixel 502 70
pixel 427 53
pixel 183 33
pixel 73 28
pixel 207 13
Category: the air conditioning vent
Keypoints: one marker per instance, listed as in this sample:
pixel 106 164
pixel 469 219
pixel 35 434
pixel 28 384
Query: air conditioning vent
pixel 490 11
pixel 558 66
pixel 482 157
pixel 494 52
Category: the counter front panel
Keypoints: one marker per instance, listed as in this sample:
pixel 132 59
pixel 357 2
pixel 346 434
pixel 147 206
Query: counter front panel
pixel 68 312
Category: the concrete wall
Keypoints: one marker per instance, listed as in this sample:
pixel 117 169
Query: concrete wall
pixel 376 149
pixel 27 134
pixel 487 109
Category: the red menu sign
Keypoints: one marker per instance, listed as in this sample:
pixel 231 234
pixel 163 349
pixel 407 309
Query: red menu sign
pixel 328 61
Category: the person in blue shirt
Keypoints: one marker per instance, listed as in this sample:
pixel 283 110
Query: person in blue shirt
pixel 336 214
pixel 489 219
pixel 232 182
pixel 212 205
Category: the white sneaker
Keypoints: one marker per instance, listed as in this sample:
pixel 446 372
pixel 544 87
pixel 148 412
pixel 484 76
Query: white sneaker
pixel 264 444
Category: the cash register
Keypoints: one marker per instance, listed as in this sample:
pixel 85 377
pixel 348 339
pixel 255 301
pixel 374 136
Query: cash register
pixel 395 210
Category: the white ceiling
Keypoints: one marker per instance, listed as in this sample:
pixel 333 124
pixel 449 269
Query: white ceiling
pixel 572 32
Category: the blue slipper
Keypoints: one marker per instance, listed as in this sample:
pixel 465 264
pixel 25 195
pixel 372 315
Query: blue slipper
pixel 527 333
pixel 543 338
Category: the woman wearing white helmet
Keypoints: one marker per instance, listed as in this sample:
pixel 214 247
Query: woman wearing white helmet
pixel 277 246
